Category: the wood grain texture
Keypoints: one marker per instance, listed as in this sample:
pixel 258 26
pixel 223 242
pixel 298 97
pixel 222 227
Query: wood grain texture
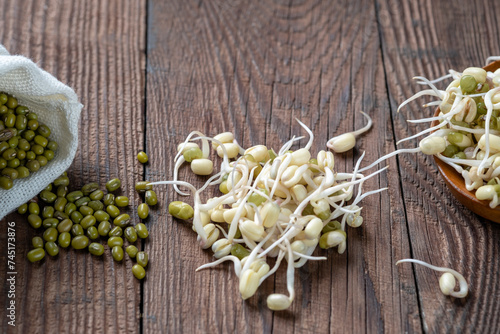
pixel 98 48
pixel 429 39
pixel 150 72
pixel 252 68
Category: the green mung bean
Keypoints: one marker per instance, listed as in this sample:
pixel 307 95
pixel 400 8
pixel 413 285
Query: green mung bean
pixel 142 231
pixel 51 248
pixel 36 254
pixel 138 271
pixel 117 253
pixel 80 242
pixel 64 239
pixel 37 242
pixel 132 251
pixel 96 249
pixel 113 185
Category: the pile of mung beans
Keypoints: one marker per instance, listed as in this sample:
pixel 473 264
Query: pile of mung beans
pixel 81 218
pixel 25 146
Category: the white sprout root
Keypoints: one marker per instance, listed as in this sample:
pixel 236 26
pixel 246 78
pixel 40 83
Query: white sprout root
pixel 468 134
pixel 271 206
pixel 447 281
pixel 347 141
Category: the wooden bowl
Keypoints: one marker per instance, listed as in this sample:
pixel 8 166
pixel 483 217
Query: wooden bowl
pixel 456 182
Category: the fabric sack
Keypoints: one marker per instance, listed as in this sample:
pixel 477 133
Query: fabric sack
pixel 57 106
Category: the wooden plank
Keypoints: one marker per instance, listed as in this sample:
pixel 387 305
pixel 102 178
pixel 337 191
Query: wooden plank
pixel 427 38
pixel 251 68
pixel 96 47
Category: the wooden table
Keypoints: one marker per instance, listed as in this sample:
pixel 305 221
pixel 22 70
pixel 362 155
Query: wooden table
pixel 149 72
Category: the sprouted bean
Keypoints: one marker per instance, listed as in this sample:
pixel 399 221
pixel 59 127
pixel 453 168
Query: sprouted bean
pixel 272 205
pixel 447 281
pixel 347 141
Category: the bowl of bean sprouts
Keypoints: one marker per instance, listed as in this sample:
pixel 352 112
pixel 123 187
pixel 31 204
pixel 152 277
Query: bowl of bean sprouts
pixel 472 172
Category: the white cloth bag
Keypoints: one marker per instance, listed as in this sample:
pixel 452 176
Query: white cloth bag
pixel 57 106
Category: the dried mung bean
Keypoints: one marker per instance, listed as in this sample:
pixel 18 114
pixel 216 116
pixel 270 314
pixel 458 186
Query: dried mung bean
pixel 101 215
pixel 37 242
pixel 151 198
pixel 62 191
pixel 51 248
pixel 121 201
pixel 143 210
pixel 76 217
pixel 74 196
pixel 6 183
pixel 117 253
pixel 35 220
pixel 82 201
pixel 142 157
pixel 77 230
pixel 50 222
pixel 122 220
pixel 142 231
pixel 60 203
pixel 36 254
pixel 132 251
pixel 115 241
pixel 96 249
pixel 65 226
pixel 97 195
pixel 90 188
pixel 80 242
pixel 3 163
pixel 96 205
pixel 69 208
pixel 37 149
pixel 32 165
pixel 64 239
pixel 60 215
pixel 50 234
pixel 131 234
pixel 104 228
pixel 23 172
pixel 22 209
pixel 42 160
pixel 113 211
pixel 44 130
pixel 88 221
pixel 116 231
pixel 142 259
pixel 86 210
pixel 52 145
pixel 47 196
pixel 11 173
pixel 138 271
pixel 48 154
pixel 34 208
pixel 113 185
pixel 61 181
pixel 109 199
pixel 92 233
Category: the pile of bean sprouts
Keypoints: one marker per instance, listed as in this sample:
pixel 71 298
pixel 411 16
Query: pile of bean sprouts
pixel 468 134
pixel 283 205
pixel 272 205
